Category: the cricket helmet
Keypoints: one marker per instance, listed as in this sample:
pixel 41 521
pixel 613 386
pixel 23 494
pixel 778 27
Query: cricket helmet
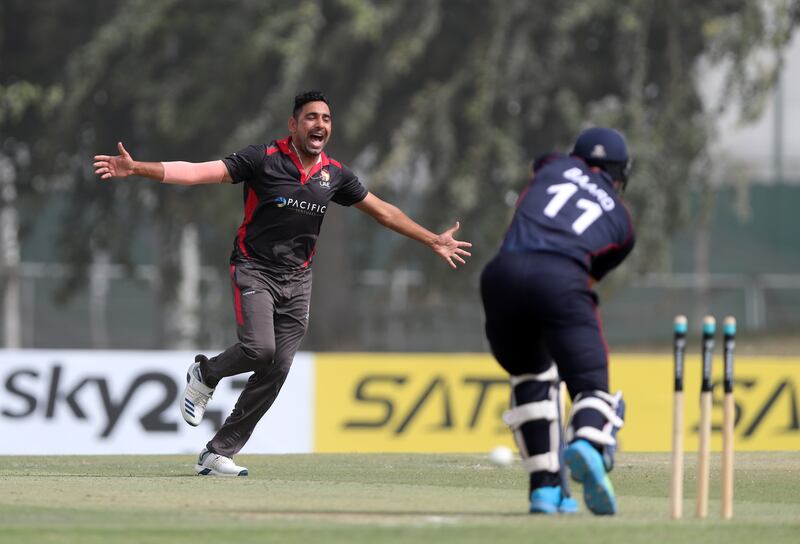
pixel 606 149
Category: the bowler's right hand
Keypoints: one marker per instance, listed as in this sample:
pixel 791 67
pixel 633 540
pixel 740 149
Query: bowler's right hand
pixel 118 166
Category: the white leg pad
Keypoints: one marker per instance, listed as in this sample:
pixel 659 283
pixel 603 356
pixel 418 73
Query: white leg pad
pixel 545 409
pixel 544 461
pixel 530 411
pixel 595 436
pixel 549 375
pixel 606 405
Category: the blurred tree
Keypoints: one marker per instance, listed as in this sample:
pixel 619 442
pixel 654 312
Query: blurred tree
pixel 438 104
pixel 473 102
pixel 31 91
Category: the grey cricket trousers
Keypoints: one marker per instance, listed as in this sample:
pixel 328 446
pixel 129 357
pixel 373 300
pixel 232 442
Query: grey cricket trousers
pixel 271 317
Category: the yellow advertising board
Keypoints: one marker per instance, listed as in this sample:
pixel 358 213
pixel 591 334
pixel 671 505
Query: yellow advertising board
pixel 409 403
pixel 453 402
pixel 765 390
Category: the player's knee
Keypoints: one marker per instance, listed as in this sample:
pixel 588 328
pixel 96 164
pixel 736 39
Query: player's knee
pixel 262 354
pixel 586 381
pixel 283 362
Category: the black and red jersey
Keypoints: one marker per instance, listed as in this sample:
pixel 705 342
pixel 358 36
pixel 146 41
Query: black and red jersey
pixel 572 210
pixel 284 207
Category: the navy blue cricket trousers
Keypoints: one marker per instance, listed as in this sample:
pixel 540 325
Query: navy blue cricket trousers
pixel 539 308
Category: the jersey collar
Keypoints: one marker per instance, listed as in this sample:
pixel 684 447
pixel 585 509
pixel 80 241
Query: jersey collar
pixel 286 149
pixel 605 176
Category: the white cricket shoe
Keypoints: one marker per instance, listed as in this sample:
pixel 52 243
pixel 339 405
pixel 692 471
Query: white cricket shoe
pixel 211 464
pixel 195 396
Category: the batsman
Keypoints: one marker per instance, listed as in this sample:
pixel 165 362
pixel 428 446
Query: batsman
pixel 570 228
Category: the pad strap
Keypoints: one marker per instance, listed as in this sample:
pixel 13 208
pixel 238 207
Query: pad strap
pixel 595 436
pixel 606 405
pixel 549 375
pixel 543 409
pixel 544 461
pixel 599 405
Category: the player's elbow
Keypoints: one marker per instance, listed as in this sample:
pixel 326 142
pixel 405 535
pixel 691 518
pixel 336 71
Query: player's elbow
pixel 386 215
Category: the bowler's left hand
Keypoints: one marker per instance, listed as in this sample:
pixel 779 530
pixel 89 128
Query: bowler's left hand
pixel 449 248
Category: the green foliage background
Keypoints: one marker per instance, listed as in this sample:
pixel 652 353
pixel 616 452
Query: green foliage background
pixel 438 104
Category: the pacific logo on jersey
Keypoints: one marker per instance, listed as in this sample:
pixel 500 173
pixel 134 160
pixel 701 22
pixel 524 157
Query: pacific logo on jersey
pixel 301 206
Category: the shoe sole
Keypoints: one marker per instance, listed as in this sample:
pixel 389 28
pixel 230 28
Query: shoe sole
pixel 568 506
pixel 205 471
pixel 542 507
pixel 588 469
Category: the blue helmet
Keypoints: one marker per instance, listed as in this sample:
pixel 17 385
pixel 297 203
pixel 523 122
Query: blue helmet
pixel 606 149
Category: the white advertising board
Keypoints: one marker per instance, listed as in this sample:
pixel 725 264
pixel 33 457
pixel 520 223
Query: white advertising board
pixel 127 402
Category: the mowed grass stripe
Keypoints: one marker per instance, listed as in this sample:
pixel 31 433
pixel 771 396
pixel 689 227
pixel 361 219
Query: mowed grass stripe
pixel 371 498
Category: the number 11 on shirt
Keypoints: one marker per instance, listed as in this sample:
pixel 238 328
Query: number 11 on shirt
pixel 563 192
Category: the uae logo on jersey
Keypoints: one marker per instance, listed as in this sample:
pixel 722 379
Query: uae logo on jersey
pixel 324 179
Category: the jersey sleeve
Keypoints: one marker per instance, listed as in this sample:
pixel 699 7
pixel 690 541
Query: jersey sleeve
pixel 245 163
pixel 350 191
pixel 605 261
pixel 540 161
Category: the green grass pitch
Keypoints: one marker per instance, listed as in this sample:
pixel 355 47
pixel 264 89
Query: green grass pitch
pixel 373 498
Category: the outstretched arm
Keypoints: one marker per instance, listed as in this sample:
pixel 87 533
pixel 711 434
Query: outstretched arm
pixel 179 172
pixel 390 216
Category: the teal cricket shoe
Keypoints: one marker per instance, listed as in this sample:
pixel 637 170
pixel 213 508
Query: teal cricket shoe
pixel 549 500
pixel 568 506
pixel 587 467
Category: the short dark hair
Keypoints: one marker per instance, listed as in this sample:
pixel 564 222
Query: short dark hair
pixel 311 96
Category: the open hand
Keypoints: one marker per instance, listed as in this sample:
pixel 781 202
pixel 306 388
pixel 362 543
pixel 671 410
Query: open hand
pixel 118 166
pixel 449 248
